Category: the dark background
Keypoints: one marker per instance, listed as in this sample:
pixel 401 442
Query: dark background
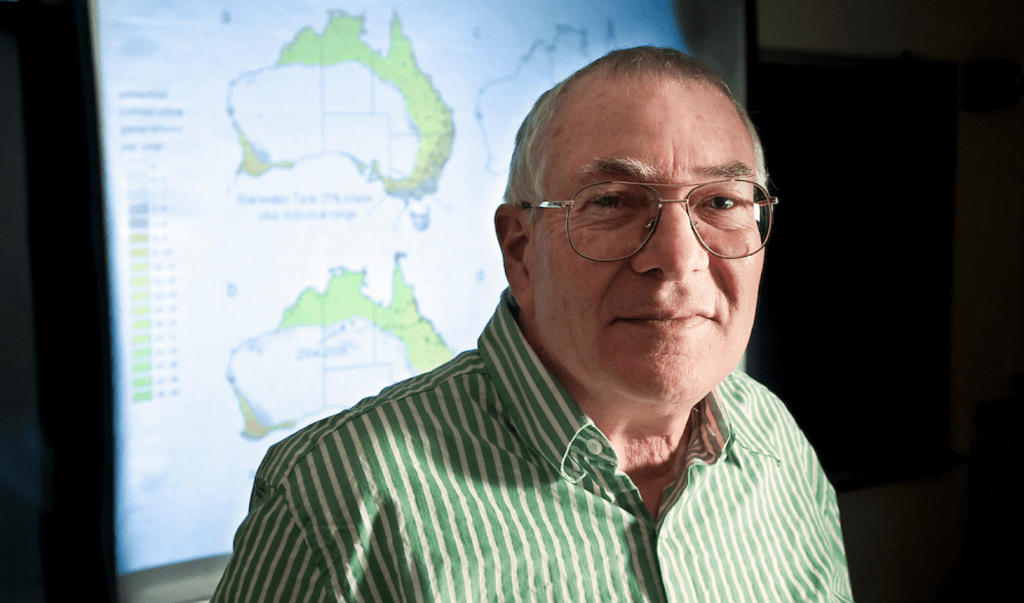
pixel 854 320
pixel 906 324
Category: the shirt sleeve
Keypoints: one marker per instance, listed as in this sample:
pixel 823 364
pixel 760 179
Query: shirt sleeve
pixel 807 500
pixel 272 559
pixel 830 525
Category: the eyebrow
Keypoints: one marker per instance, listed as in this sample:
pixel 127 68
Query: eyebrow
pixel 641 170
pixel 733 169
pixel 626 166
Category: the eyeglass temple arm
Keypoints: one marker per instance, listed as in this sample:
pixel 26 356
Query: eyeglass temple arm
pixel 545 204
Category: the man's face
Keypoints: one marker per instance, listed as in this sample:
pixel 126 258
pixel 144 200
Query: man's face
pixel 666 325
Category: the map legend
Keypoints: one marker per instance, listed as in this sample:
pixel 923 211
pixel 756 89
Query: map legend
pixel 138 255
pixel 150 291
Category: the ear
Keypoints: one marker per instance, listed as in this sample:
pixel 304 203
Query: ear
pixel 515 236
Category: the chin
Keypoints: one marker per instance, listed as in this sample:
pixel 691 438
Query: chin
pixel 674 379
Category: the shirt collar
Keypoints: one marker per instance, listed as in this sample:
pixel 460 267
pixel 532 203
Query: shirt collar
pixel 712 434
pixel 749 425
pixel 531 400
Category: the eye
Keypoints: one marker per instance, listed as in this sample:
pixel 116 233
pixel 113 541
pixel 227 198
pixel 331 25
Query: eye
pixel 612 201
pixel 610 205
pixel 721 203
pixel 607 201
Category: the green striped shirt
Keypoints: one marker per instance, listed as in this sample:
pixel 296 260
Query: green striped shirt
pixel 483 481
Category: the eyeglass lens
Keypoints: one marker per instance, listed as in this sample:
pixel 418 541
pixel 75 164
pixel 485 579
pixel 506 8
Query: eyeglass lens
pixel 613 220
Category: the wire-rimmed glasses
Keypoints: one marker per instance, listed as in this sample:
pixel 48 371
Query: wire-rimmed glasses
pixel 611 221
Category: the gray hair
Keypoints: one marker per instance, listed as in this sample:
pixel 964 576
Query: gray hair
pixel 529 158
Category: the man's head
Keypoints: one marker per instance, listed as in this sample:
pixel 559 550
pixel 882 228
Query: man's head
pixel 529 159
pixel 666 325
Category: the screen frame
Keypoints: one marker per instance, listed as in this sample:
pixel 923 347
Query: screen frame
pixel 70 291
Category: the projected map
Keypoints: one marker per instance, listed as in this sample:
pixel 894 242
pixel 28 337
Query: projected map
pixel 362 95
pixel 300 203
pixel 383 114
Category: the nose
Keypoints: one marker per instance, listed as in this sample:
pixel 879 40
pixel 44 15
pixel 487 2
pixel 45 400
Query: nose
pixel 673 248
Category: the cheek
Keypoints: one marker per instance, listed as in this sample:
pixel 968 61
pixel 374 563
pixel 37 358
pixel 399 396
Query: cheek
pixel 742 292
pixel 738 283
pixel 566 297
pixel 532 282
pixel 556 299
pixel 547 281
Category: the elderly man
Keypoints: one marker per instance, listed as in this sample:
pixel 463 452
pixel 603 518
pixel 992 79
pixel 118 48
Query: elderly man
pixel 598 445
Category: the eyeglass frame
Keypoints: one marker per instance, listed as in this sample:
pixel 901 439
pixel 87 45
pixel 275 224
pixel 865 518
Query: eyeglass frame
pixel 769 201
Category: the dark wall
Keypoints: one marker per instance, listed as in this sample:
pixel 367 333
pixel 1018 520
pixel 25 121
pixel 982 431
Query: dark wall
pixel 939 537
pixel 854 320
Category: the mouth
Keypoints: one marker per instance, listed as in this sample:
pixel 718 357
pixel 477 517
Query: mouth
pixel 674 320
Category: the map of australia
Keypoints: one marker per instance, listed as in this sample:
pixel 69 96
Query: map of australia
pixel 331 349
pixel 331 93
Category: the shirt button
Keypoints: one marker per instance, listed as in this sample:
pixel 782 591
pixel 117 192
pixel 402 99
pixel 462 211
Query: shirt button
pixel 595 447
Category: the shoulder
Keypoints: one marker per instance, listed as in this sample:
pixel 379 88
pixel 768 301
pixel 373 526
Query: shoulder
pixel 747 401
pixel 758 419
pixel 389 412
pixel 798 499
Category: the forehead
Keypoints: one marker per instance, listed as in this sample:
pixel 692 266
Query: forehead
pixel 678 131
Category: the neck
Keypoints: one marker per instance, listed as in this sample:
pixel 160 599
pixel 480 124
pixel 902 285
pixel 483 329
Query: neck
pixel 649 445
pixel 644 429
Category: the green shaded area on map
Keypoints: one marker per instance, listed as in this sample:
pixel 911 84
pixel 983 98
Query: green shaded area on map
pixel 344 299
pixel 253 428
pixel 339 43
pixel 252 161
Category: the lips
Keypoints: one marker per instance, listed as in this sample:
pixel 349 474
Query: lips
pixel 675 319
pixel 672 314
